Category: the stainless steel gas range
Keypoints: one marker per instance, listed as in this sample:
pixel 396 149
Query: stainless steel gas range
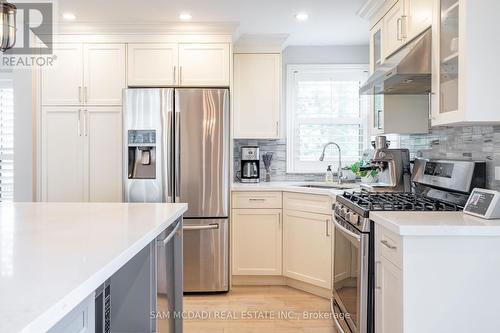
pixel 438 185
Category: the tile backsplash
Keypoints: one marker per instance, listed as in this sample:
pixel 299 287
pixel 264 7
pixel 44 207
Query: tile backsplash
pixel 470 142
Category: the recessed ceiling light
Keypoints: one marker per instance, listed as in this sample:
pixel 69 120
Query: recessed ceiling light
pixel 69 17
pixel 185 16
pixel 302 16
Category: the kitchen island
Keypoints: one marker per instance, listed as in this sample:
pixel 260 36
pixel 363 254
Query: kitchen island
pixel 54 255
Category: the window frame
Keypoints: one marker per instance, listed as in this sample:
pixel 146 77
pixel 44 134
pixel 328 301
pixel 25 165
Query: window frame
pixel 292 165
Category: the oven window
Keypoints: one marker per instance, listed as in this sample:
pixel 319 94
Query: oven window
pixel 346 273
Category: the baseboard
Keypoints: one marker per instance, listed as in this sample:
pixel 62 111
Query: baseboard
pixel 258 280
pixel 276 280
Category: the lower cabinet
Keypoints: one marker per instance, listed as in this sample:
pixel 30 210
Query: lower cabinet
pixel 388 283
pixel 307 247
pixel 257 241
pixel 81 154
pixel 80 320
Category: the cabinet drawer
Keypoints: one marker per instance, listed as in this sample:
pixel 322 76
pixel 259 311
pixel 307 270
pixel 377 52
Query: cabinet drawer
pixel 257 200
pixel 390 246
pixel 313 203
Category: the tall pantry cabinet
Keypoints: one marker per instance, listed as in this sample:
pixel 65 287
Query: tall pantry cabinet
pixel 81 125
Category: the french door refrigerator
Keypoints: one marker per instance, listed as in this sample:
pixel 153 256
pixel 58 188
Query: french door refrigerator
pixel 176 149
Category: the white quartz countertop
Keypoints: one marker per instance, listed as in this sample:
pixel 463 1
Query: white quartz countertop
pixel 436 224
pixel 294 187
pixel 53 255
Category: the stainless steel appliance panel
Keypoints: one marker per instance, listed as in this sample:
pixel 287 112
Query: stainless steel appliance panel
pixel 202 151
pixel 147 113
pixel 206 255
pixel 169 275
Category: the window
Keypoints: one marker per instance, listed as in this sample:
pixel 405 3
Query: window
pixel 323 105
pixel 6 141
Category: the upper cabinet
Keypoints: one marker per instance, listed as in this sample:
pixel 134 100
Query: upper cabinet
pixel 464 58
pixel 257 95
pixel 152 65
pixel 418 16
pixel 90 74
pixel 204 65
pixel 173 64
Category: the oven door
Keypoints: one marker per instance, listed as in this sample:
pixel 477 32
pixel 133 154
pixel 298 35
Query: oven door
pixel 350 285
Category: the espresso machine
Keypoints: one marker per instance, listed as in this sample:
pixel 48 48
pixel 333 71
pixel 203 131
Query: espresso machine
pixel 393 166
pixel 250 164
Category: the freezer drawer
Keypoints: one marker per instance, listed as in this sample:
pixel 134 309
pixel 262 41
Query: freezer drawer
pixel 206 255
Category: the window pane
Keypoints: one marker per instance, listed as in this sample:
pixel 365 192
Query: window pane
pixel 312 138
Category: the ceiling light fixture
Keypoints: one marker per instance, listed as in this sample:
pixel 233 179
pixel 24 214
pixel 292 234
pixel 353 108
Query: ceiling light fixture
pixel 302 16
pixel 8 20
pixel 185 16
pixel 69 17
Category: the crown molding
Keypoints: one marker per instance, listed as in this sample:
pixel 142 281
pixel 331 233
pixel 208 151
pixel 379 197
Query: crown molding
pixel 370 8
pixel 260 43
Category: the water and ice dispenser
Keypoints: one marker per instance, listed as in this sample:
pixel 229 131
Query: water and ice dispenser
pixel 141 154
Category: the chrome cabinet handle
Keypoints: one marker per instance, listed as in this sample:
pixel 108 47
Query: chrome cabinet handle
pixel 377 275
pixel 80 94
pixel 175 72
pixel 388 245
pixel 180 74
pixel 328 233
pixel 277 129
pixel 85 96
pixel 257 199
pixel 79 127
pixel 403 27
pixel 398 23
pixel 85 113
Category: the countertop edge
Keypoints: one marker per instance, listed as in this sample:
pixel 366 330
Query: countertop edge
pixel 54 314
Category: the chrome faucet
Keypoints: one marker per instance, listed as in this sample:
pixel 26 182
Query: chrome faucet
pixel 322 157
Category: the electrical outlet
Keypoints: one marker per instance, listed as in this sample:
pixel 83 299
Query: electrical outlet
pixel 497 173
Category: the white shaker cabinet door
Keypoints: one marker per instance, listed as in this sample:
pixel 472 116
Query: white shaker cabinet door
pixel 204 65
pixel 389 298
pixel 395 30
pixel 62 83
pixel 104 74
pixel 307 247
pixel 152 65
pixel 103 136
pixel 257 240
pixel 63 154
pixel 257 95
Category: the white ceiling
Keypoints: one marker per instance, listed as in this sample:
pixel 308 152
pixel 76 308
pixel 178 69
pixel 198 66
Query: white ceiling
pixel 331 22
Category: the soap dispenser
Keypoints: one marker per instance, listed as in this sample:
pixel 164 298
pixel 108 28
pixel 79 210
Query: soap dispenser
pixel 329 175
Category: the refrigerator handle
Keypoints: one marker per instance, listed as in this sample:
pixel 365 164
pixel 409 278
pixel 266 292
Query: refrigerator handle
pixel 167 144
pixel 177 155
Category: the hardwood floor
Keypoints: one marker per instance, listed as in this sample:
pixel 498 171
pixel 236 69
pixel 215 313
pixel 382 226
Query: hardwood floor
pixel 256 309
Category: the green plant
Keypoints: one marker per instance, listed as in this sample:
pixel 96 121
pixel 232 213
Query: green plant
pixel 357 169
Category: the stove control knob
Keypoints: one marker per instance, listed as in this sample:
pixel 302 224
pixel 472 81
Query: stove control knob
pixel 354 219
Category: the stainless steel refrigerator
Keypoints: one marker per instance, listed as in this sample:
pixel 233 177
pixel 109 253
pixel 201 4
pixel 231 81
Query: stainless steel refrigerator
pixel 176 149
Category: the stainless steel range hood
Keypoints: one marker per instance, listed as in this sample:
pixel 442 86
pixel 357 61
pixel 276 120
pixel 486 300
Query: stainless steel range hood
pixel 407 72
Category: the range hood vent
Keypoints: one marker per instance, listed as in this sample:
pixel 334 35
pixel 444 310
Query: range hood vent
pixel 407 72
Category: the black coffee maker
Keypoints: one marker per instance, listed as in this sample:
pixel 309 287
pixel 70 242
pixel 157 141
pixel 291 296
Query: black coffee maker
pixel 250 164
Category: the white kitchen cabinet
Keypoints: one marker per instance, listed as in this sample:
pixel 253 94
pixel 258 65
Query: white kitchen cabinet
pixel 62 155
pixel 81 154
pixel 257 95
pixel 104 73
pixel 62 84
pixel 152 64
pixel 419 16
pixel 104 149
pixel 464 71
pixel 84 74
pixel 395 28
pixel 204 65
pixel 79 320
pixel 257 241
pixel 376 46
pixel 307 247
pixel 389 297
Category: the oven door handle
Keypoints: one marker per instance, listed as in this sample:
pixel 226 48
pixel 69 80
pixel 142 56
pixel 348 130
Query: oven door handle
pixel 335 320
pixel 347 232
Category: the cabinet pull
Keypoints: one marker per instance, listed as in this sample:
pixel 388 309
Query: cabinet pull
pixel 404 33
pixel 80 94
pixel 257 199
pixel 388 245
pixel 398 24
pixel 377 275
pixel 85 96
pixel 175 72
pixel 79 122
pixel 85 112
pixel 279 221
pixel 180 74
pixel 328 234
pixel 277 129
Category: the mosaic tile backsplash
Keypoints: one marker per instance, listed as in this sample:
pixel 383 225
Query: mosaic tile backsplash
pixel 471 142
